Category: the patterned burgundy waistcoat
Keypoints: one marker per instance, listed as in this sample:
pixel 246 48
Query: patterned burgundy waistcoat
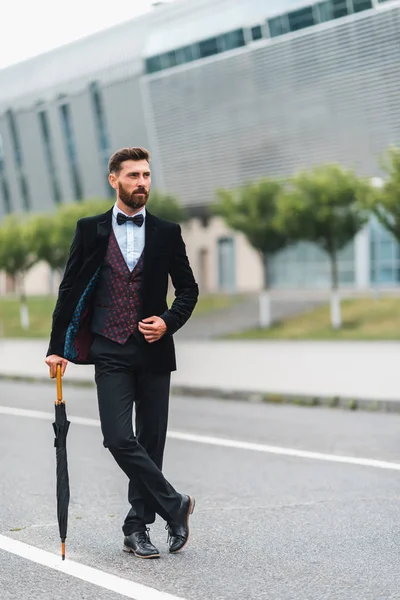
pixel 118 298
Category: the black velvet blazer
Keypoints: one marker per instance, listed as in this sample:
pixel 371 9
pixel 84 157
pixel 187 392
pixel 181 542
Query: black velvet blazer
pixel 164 254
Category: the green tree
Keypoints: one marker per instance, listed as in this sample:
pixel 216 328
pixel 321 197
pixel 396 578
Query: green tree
pixel 16 257
pixel 50 235
pixel 43 240
pixel 252 210
pixel 166 207
pixel 325 206
pixel 384 201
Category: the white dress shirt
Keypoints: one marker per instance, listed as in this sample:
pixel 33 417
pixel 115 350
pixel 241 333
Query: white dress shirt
pixel 130 237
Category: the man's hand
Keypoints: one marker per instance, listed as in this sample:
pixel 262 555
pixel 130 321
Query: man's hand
pixel 52 361
pixel 153 328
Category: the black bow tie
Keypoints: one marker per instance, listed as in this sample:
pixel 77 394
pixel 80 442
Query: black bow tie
pixel 137 219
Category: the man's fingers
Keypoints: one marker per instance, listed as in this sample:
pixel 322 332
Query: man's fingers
pixel 151 338
pixel 147 328
pixel 53 367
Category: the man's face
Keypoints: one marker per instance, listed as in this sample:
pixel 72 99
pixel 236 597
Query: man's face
pixel 132 183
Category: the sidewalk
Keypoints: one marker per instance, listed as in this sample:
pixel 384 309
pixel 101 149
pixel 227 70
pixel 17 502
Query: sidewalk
pixel 349 374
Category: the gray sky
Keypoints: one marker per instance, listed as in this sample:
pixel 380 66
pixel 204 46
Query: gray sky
pixel 30 27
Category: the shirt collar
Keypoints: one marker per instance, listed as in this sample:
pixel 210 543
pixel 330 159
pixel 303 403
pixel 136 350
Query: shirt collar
pixel 116 210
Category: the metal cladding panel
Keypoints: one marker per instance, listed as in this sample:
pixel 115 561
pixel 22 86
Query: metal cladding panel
pixel 126 110
pixel 88 153
pixel 125 114
pixel 326 94
pixel 10 168
pixel 59 153
pixel 36 172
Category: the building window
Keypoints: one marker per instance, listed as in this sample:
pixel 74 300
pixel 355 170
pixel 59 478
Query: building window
pixel 339 8
pixel 2 165
pixel 299 19
pixel 49 154
pixel 256 33
pixel 232 40
pixel 226 264
pixel 70 147
pixel 278 26
pixel 3 182
pixel 23 186
pixel 14 138
pixel 169 60
pixel 332 9
pixel 101 130
pixel 360 5
pixel 6 195
pixel 16 145
pixel 385 255
pixel 153 64
pixel 208 47
pixel 185 55
pixel 325 12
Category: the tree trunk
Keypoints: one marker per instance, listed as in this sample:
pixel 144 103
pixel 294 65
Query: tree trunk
pixel 24 312
pixel 336 316
pixel 265 314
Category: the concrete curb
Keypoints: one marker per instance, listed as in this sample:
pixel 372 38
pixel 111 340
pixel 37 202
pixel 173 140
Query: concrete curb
pixel 376 405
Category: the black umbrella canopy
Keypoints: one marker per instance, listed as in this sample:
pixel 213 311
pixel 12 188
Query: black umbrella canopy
pixel 61 426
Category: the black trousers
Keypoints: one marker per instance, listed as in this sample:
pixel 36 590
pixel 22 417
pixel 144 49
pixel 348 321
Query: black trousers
pixel 123 380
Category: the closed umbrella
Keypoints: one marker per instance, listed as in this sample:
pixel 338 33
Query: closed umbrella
pixel 61 426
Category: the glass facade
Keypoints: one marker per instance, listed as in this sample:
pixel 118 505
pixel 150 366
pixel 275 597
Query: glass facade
pixel 278 26
pixel 70 147
pixel 306 265
pixel 360 5
pixel 340 8
pixel 49 154
pixel 256 33
pixel 208 47
pixel 384 256
pixel 6 195
pixel 19 163
pixel 203 49
pixel 299 19
pixel 3 181
pixel 14 138
pixel 308 16
pixel 101 131
pixel 226 264
pixel 2 165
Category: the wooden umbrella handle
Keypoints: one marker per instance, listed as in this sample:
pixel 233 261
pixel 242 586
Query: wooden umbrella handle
pixel 59 385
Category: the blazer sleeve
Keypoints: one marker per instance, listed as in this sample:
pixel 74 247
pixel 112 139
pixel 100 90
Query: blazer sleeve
pixel 72 268
pixel 186 288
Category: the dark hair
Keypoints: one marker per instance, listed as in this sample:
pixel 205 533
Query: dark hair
pixel 120 156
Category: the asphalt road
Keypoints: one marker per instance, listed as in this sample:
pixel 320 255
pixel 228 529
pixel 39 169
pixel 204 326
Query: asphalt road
pixel 266 525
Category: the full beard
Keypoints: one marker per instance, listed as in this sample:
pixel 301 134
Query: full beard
pixel 132 199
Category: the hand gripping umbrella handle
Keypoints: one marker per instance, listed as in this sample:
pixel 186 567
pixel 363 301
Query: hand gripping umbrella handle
pixel 59 385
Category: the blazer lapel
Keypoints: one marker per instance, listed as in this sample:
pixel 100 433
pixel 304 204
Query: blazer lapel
pixel 149 243
pixel 104 227
pixel 98 234
pixel 149 240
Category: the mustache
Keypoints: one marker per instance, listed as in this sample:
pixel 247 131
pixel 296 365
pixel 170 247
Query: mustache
pixel 140 190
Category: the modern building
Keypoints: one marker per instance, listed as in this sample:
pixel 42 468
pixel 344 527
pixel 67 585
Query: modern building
pixel 221 92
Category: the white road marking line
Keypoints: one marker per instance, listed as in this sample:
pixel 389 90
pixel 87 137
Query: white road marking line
pixel 126 588
pixel 216 441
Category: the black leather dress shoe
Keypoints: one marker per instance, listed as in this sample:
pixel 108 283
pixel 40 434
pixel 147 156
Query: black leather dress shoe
pixel 140 545
pixel 178 530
